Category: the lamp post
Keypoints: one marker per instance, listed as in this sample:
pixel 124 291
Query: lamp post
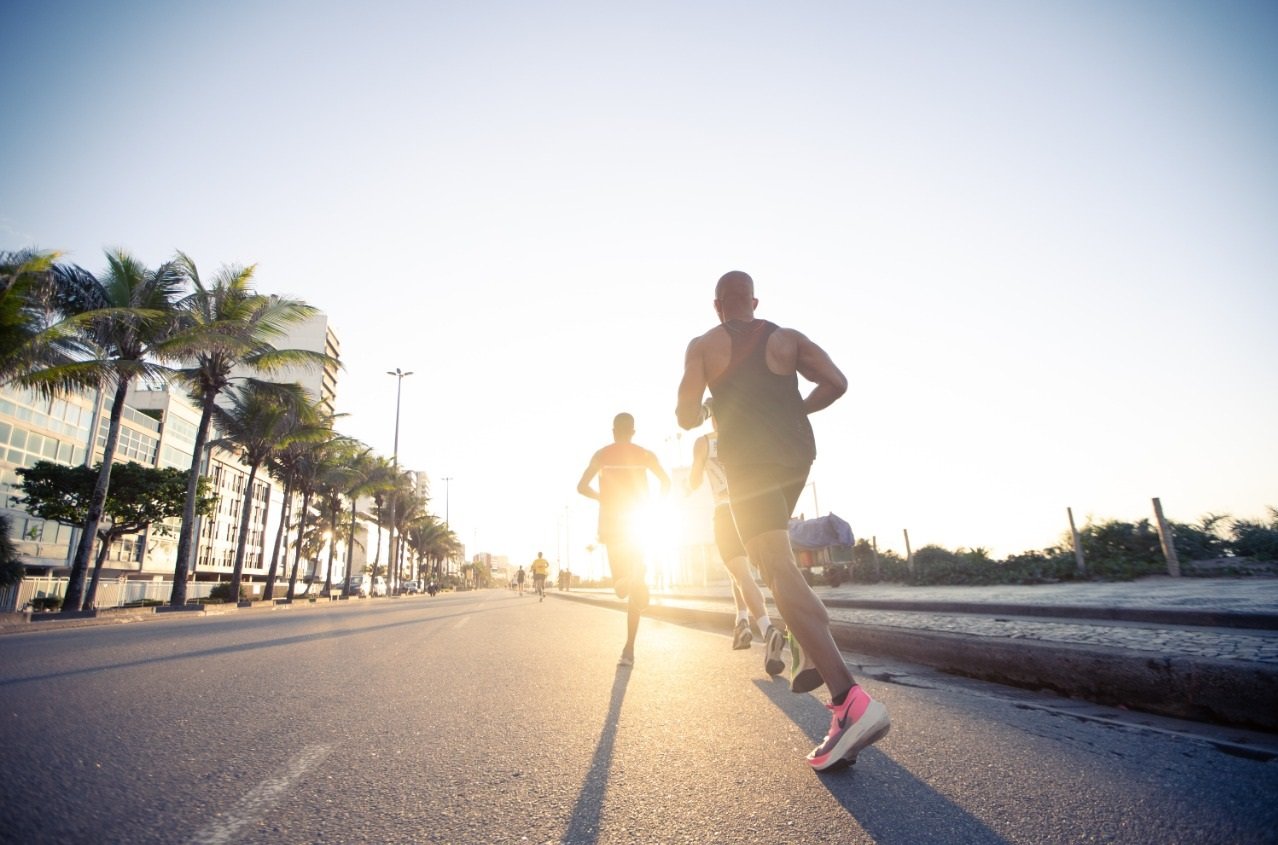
pixel 393 565
pixel 447 489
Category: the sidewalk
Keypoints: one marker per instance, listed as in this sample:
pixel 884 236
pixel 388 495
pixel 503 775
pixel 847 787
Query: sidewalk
pixel 1194 648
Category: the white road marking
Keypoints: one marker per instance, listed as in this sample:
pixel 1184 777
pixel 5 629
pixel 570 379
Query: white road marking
pixel 259 800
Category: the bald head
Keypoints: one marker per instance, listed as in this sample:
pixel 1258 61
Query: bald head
pixel 734 296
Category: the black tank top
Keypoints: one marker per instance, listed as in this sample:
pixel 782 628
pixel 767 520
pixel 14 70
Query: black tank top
pixel 760 414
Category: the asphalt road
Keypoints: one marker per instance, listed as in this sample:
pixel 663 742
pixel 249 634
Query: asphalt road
pixel 489 718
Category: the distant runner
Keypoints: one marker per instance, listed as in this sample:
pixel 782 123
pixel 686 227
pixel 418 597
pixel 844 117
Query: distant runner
pixel 540 569
pixel 519 580
pixel 622 468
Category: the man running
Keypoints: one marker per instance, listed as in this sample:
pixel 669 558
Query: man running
pixel 623 469
pixel 767 447
pixel 519 581
pixel 540 569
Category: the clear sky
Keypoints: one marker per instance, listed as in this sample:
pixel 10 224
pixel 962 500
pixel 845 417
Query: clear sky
pixel 1040 239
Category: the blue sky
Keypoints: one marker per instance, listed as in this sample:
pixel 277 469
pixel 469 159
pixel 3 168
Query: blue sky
pixel 1039 239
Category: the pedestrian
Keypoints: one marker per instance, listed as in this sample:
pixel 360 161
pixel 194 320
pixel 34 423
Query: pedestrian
pixel 746 595
pixel 751 368
pixel 519 581
pixel 540 569
pixel 622 468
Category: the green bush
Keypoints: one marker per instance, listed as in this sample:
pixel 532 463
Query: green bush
pixel 222 592
pixel 144 603
pixel 861 568
pixel 46 603
pixel 1202 541
pixel 1258 540
pixel 937 565
pixel 1047 566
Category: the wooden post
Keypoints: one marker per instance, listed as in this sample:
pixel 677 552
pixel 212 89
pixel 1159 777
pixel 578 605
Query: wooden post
pixel 909 555
pixel 874 541
pixel 1168 541
pixel 1080 564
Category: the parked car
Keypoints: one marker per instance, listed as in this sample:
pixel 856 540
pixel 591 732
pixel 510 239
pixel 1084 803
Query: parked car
pixel 410 588
pixel 367 585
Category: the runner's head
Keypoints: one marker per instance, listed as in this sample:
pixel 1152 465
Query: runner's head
pixel 734 296
pixel 623 427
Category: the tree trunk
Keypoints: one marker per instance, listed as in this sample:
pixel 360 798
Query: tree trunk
pixel 301 532
pixel 285 507
pixel 74 598
pixel 335 511
pixel 91 594
pixel 246 515
pixel 350 553
pixel 186 538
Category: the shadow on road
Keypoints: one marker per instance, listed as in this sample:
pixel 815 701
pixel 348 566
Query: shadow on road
pixel 272 642
pixel 886 799
pixel 583 828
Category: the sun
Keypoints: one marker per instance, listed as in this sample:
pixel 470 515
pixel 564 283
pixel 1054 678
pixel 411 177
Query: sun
pixel 661 525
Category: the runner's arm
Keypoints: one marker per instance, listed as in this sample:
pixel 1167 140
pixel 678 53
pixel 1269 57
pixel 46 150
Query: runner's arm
pixel 692 389
pixel 815 365
pixel 583 486
pixel 654 466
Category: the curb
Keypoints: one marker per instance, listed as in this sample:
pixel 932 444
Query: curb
pixel 1147 615
pixel 1218 691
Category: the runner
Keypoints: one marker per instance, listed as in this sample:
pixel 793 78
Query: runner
pixel 540 569
pixel 623 469
pixel 751 368
pixel 745 593
pixel 519 581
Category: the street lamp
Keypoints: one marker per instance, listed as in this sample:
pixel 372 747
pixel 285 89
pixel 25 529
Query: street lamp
pixel 447 488
pixel 393 567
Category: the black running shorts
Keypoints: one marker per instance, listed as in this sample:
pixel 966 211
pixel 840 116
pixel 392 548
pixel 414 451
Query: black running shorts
pixel 763 496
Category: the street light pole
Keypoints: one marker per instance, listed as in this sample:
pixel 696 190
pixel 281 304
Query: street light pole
pixel 447 490
pixel 393 566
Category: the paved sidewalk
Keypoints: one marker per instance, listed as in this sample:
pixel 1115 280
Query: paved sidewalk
pixel 1204 649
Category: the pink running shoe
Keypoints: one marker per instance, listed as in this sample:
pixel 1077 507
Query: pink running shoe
pixel 858 723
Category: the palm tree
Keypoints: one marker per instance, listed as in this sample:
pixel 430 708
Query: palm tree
pixel 122 319
pixel 26 307
pixel 226 324
pixel 403 505
pixel 338 475
pixel 313 461
pixel 283 467
pixel 368 475
pixel 259 419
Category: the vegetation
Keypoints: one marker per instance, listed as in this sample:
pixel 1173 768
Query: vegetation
pixel 10 565
pixel 223 592
pixel 140 496
pixel 62 329
pixel 224 325
pixel 1113 550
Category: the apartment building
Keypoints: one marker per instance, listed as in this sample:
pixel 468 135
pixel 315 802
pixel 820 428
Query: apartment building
pixel 158 429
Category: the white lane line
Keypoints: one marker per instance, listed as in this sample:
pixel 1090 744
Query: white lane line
pixel 460 622
pixel 259 800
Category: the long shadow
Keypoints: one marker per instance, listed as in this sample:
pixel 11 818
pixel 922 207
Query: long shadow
pixel 583 826
pixel 886 799
pixel 276 642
